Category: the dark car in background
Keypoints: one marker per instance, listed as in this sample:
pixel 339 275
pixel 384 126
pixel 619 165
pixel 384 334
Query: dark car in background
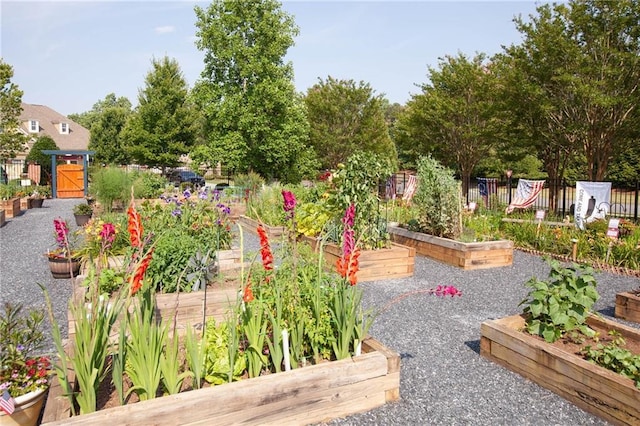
pixel 180 176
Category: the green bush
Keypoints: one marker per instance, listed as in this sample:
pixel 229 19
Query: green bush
pixel 110 184
pixel 437 200
pixel 148 185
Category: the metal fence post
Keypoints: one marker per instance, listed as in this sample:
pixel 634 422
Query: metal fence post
pixel 564 198
pixel 635 210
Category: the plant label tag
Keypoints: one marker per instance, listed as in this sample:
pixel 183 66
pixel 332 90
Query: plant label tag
pixel 613 230
pixel 472 207
pixel 540 214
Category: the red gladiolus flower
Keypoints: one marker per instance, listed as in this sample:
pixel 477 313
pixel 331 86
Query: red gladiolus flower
pixel 348 266
pixel 248 294
pixel 265 249
pixel 134 226
pixel 138 276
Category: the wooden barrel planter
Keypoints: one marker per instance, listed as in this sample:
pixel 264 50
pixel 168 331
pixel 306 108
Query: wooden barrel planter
pixel 593 388
pixel 61 267
pixel 468 256
pixel 307 395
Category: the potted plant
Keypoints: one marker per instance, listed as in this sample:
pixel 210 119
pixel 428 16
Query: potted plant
pixel 38 195
pixel 9 200
pixel 82 212
pixel 24 375
pixel 64 260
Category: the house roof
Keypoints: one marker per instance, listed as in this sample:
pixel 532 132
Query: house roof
pixel 49 122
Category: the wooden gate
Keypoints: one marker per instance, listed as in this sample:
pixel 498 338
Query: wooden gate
pixel 70 181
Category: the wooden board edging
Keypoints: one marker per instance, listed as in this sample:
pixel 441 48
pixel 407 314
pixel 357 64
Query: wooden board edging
pixel 595 389
pixel 302 396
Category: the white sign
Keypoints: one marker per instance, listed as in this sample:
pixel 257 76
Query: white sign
pixel 613 230
pixel 472 207
pixel 592 202
pixel 540 214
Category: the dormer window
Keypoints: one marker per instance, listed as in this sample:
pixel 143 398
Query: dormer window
pixel 34 126
pixel 64 128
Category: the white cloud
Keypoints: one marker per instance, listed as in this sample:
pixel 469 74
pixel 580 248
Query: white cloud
pixel 165 29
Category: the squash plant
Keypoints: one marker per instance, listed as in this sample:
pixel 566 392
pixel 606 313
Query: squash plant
pixel 562 303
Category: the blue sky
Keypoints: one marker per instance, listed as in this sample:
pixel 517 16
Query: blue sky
pixel 69 55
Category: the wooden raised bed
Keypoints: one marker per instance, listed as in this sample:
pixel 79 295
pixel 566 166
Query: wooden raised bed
pixel 11 207
pixel 595 389
pixel 395 262
pixel 627 306
pixel 251 225
pixel 313 394
pixel 188 306
pixel 2 218
pixel 479 255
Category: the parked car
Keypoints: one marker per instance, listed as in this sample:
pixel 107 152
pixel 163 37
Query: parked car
pixel 180 176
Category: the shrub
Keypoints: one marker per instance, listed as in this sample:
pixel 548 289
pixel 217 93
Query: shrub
pixel 110 184
pixel 148 184
pixel 437 200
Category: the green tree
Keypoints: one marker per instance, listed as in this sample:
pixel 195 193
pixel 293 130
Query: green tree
pixel 346 118
pixel 254 119
pixel 11 140
pixel 35 155
pixel 88 118
pixel 456 118
pixel 105 136
pixel 162 127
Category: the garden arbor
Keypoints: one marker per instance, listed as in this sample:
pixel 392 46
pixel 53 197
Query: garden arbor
pixel 70 179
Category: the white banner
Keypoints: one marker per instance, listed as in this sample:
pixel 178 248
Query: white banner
pixel 592 202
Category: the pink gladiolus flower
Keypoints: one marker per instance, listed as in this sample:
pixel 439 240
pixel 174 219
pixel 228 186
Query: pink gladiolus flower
pixel 289 203
pixel 349 215
pixel 108 232
pixel 447 290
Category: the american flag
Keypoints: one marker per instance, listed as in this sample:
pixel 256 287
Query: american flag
pixel 410 188
pixel 390 188
pixel 7 403
pixel 526 194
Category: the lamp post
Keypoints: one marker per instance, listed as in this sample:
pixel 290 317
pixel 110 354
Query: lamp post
pixel 509 173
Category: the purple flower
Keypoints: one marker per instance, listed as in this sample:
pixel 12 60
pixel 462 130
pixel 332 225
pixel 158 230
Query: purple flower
pixel 203 195
pixel 224 208
pixel 176 213
pixel 216 195
pixel 186 193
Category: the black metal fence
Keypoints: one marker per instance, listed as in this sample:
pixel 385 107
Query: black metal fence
pixel 559 197
pixel 556 196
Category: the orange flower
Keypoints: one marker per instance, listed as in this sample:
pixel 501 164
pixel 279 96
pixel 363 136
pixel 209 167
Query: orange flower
pixel 265 249
pixel 248 294
pixel 134 226
pixel 348 266
pixel 138 276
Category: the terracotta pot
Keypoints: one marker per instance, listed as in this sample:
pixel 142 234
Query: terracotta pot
pixel 27 410
pixel 60 267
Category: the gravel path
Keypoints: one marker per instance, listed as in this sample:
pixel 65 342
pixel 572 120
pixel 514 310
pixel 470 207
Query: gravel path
pixel 444 381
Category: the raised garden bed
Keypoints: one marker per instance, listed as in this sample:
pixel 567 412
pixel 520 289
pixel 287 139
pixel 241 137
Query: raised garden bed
pixel 595 389
pixel 395 262
pixel 2 218
pixel 478 255
pixel 251 225
pixel 312 394
pixel 627 306
pixel 11 207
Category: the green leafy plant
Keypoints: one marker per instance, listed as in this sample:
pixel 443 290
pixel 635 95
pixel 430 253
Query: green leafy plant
pixel 195 354
pixel 82 209
pixel 219 342
pixel 562 303
pixel 110 184
pixel 613 356
pixel 170 367
pixel 437 200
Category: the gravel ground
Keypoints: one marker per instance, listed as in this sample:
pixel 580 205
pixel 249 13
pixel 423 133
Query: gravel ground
pixel 444 381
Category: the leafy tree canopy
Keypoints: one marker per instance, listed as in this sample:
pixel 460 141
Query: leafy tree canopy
pixel 88 118
pixel 346 117
pixel 253 119
pixel 162 127
pixel 11 141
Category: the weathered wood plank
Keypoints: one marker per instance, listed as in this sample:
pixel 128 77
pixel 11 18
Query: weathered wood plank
pixel 307 395
pixel 627 307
